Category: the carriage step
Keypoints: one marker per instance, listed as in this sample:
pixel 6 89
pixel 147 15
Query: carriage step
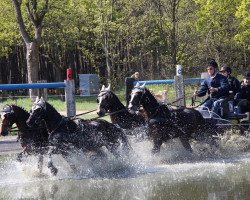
pixel 237 116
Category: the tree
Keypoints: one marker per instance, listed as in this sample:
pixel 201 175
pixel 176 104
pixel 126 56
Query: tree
pixel 36 12
pixel 243 36
pixel 218 27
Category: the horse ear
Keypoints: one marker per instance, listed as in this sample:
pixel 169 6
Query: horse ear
pixel 108 88
pixel 42 100
pixel 37 99
pixel 137 85
pixel 103 88
pixel 143 86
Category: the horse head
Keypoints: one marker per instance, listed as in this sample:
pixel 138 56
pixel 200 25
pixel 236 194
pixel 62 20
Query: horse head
pixel 8 119
pixel 37 112
pixel 136 97
pixel 103 101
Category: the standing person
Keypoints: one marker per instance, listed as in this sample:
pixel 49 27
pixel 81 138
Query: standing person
pixel 243 96
pixel 234 83
pixel 216 86
pixel 136 76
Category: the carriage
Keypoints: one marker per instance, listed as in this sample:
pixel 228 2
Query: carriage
pixel 230 116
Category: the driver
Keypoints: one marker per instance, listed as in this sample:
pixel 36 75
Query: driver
pixel 216 86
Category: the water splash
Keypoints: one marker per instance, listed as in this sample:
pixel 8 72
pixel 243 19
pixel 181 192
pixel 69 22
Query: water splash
pixel 173 159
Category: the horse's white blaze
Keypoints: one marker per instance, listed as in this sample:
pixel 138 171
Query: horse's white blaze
pixel 38 104
pixel 131 99
pixel 94 123
pixel 3 116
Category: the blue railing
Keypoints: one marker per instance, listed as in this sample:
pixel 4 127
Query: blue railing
pixel 31 86
pixel 170 81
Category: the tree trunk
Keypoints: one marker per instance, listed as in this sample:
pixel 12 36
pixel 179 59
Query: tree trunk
pixel 32 44
pixel 32 57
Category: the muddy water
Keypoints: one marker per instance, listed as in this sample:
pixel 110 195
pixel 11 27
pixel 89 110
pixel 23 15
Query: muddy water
pixel 208 173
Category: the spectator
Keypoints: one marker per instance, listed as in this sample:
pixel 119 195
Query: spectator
pixel 216 86
pixel 234 83
pixel 135 76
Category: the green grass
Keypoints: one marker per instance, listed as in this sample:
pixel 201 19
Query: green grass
pixel 86 103
pixel 189 90
pixel 83 104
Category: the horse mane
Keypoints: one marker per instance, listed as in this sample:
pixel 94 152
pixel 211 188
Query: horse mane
pixel 117 99
pixel 151 96
pixel 20 109
pixel 162 110
pixel 51 108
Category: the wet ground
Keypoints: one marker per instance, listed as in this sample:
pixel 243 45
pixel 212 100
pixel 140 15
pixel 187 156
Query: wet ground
pixel 9 145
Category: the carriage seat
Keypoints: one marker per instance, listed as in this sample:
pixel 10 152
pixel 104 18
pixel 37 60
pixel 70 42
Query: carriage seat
pixel 231 109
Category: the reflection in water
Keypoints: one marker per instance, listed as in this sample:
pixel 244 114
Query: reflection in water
pixel 174 174
pixel 149 186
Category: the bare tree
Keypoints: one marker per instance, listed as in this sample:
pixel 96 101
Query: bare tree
pixel 36 16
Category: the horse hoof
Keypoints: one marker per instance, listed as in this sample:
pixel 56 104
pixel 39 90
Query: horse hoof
pixel 54 171
pixel 155 151
pixel 19 158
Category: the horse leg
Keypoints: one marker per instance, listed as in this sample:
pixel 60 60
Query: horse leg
pixel 99 153
pixel 51 166
pixel 72 166
pixel 157 145
pixel 40 163
pixel 186 144
pixel 113 148
pixel 210 136
pixel 126 147
pixel 19 157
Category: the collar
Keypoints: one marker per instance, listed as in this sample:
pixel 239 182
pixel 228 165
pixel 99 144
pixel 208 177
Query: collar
pixel 214 75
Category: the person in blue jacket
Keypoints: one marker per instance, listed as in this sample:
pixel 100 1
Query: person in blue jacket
pixel 216 86
pixel 234 83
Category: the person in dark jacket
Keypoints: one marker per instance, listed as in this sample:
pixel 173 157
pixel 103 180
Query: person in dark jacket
pixel 243 96
pixel 234 83
pixel 216 86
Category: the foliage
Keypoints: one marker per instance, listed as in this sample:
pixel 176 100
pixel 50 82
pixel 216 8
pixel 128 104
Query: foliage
pixel 243 14
pixel 115 38
pixel 9 33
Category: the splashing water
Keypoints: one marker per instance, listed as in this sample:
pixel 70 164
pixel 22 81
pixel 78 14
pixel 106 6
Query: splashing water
pixel 141 175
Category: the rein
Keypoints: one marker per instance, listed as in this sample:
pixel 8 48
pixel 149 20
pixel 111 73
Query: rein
pixel 59 124
pixel 17 130
pixel 110 113
pixel 85 113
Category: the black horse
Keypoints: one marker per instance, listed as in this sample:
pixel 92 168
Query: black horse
pixel 110 103
pixel 66 134
pixel 33 140
pixel 164 124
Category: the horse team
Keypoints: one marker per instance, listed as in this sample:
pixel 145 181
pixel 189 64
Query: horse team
pixel 46 131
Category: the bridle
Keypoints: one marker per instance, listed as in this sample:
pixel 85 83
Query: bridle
pixel 143 91
pixel 105 93
pixel 4 114
pixel 138 89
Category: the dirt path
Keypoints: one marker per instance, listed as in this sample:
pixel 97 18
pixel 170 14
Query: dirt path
pixel 9 145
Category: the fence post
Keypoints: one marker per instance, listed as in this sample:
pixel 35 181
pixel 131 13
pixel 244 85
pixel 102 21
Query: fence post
pixel 129 85
pixel 70 97
pixel 179 87
pixel 43 92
